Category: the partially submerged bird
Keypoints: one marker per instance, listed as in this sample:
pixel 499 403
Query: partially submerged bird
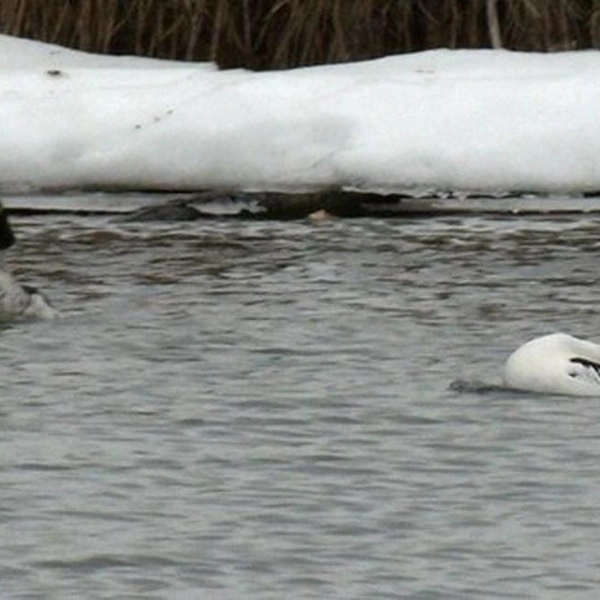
pixel 555 364
pixel 19 301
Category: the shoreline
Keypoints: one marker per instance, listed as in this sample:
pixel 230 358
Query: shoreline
pixel 153 206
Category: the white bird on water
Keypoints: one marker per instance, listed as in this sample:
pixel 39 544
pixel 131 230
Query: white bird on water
pixel 19 301
pixel 555 364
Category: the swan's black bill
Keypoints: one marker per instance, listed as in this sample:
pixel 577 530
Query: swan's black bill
pixel 587 363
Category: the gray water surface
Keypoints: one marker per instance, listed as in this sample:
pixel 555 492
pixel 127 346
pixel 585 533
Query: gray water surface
pixel 263 410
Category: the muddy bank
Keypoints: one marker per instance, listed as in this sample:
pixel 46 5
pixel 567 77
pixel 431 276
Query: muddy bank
pixel 174 206
pixel 345 204
pixel 262 205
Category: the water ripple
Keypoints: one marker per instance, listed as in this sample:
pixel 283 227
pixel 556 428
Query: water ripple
pixel 267 410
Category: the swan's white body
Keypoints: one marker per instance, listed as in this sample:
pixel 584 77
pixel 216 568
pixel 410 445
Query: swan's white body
pixel 22 302
pixel 555 364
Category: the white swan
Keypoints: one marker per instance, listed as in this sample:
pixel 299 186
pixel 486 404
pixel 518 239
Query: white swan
pixel 555 364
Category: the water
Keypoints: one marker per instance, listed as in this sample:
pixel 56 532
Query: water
pixel 264 410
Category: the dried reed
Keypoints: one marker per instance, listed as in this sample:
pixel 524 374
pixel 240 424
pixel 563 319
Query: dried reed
pixel 284 33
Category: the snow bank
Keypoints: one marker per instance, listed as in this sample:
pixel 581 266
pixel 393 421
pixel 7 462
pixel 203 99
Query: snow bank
pixel 470 120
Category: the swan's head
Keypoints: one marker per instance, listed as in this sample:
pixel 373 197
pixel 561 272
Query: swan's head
pixel 555 364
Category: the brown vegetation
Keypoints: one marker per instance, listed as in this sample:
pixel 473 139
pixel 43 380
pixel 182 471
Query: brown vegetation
pixel 283 33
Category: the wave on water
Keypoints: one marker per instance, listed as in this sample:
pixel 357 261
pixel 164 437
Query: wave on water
pixel 477 386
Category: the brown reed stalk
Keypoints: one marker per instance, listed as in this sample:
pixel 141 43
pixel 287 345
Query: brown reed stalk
pixel 143 10
pixel 594 24
pixel 195 14
pixel 14 12
pixel 108 23
pixel 493 23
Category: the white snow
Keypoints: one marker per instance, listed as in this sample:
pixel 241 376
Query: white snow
pixel 461 120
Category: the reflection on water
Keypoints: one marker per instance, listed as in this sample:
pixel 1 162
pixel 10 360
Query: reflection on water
pixel 264 410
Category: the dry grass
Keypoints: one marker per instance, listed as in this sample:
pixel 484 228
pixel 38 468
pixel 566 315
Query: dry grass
pixel 283 33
